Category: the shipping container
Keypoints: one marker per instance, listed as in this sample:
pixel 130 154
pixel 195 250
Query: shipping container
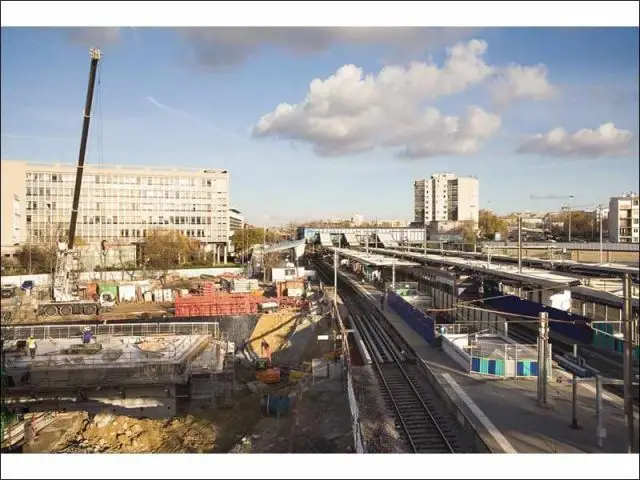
pixel 92 290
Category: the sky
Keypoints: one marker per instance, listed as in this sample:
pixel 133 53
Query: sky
pixel 329 122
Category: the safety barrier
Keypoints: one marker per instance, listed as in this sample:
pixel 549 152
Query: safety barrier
pixel 356 427
pixel 506 360
pixel 419 321
pixel 124 329
pixel 18 433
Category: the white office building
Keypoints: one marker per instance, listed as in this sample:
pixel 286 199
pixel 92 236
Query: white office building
pixel 624 219
pixel 446 199
pixel 119 204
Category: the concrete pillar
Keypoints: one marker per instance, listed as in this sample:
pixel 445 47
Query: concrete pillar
pixel 226 251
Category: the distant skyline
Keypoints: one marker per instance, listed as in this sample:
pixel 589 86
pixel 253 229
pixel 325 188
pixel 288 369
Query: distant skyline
pixel 322 123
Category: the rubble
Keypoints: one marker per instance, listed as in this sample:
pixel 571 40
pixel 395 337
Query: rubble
pixel 106 432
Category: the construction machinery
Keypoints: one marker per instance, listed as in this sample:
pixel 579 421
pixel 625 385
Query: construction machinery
pixel 65 300
pixel 265 371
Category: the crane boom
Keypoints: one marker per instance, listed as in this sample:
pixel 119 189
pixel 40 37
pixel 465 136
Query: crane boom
pixel 550 197
pixel 95 58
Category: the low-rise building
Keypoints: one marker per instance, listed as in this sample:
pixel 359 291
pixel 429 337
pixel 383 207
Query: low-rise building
pixel 624 218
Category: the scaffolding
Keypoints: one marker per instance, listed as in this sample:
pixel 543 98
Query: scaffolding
pixel 120 359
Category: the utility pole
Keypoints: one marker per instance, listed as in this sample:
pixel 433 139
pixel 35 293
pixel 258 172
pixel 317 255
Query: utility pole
pixel 570 198
pixel 601 431
pixel 335 276
pixel 264 254
pixel 574 391
pixel 393 273
pixel 600 214
pixel 424 244
pixel 628 363
pixel 542 359
pixel 520 245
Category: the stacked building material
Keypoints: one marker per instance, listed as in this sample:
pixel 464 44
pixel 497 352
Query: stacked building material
pixel 241 285
pixel 218 303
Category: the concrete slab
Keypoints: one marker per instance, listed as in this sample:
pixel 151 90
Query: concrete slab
pixel 115 351
pixel 506 414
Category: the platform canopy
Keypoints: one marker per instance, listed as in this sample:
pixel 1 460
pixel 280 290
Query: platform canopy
pixel 372 259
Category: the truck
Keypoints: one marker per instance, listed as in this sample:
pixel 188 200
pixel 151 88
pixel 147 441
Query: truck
pixel 65 299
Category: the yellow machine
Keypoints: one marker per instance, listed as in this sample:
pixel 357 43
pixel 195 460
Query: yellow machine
pixel 265 371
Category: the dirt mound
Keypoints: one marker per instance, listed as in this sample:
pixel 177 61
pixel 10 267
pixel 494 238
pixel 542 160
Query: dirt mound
pixel 106 433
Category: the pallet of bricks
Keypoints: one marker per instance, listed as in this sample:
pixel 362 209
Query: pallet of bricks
pixel 217 303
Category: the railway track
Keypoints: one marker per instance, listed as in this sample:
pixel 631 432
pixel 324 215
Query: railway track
pixel 425 429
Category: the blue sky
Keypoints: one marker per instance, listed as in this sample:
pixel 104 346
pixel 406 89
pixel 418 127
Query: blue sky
pixel 178 98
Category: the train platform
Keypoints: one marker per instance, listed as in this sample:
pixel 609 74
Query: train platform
pixel 505 412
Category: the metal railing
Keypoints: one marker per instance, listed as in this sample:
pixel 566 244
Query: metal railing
pixel 15 434
pixel 169 353
pixel 504 351
pixel 127 329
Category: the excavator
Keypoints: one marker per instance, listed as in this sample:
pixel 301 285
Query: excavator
pixel 64 289
pixel 265 371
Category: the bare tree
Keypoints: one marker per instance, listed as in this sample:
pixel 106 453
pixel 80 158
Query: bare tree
pixel 166 249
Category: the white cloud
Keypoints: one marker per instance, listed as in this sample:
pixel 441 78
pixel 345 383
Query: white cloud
pixel 518 82
pixel 228 46
pixel 605 141
pixel 95 36
pixel 351 113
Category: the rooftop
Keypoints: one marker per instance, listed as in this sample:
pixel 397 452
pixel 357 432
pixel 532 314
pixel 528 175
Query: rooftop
pixel 372 258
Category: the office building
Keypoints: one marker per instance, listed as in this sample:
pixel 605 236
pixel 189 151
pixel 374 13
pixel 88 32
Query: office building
pixel 117 204
pixel 446 200
pixel 357 220
pixel 236 221
pixel 624 219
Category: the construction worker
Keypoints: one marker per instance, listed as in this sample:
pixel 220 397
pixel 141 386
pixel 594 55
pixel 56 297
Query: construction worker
pixel 86 335
pixel 31 343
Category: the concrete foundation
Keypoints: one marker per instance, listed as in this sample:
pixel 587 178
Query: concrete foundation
pixel 143 376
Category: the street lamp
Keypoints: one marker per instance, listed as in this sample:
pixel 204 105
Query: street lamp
pixel 570 198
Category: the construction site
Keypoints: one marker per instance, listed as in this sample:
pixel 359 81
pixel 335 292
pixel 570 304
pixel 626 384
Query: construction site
pixel 255 382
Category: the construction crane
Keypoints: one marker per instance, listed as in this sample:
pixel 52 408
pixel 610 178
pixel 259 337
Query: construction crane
pixel 568 207
pixel 64 286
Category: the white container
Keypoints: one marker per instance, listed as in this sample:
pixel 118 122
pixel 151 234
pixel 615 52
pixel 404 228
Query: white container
pixel 148 296
pixel 127 293
pixel 294 292
pixel 167 295
pixel 157 295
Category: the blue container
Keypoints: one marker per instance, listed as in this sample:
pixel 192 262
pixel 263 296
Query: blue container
pixel 275 405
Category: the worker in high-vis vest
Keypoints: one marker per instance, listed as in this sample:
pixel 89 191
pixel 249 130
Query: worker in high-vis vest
pixel 31 343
